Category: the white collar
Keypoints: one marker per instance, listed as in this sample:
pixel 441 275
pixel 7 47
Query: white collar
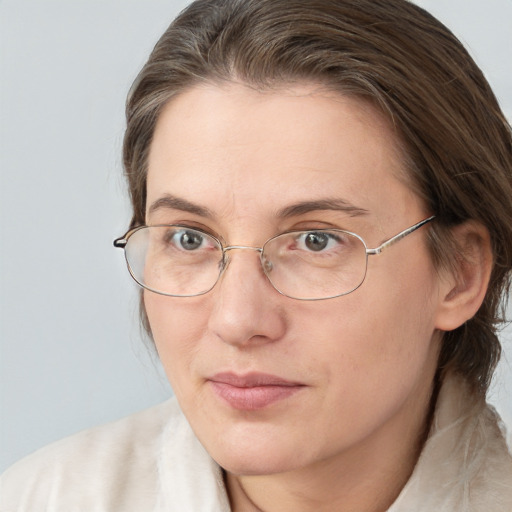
pixel 465 465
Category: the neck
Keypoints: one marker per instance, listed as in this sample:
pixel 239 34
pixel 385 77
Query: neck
pixel 366 478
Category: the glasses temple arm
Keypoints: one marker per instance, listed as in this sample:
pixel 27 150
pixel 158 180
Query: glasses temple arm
pixel 398 237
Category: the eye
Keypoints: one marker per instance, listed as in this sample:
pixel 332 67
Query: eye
pixel 317 241
pixel 188 239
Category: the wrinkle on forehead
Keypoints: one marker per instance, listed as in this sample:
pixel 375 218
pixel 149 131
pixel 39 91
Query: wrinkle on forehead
pixel 225 136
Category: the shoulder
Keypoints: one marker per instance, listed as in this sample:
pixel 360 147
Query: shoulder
pixel 465 463
pixel 92 467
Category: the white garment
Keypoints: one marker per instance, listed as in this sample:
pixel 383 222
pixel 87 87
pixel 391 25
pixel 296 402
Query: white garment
pixel 151 461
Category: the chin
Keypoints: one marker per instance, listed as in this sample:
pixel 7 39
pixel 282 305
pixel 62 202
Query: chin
pixel 263 464
pixel 257 453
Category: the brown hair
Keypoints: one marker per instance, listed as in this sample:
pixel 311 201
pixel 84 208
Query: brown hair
pixel 457 142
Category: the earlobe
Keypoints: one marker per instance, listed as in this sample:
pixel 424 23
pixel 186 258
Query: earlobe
pixel 463 289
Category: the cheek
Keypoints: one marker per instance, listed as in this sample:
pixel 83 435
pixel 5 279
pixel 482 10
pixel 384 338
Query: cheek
pixel 368 342
pixel 178 326
pixel 380 340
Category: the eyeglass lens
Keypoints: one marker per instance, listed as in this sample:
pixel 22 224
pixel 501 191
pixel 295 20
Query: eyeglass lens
pixel 180 261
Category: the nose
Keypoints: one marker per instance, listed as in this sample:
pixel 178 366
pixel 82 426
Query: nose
pixel 246 309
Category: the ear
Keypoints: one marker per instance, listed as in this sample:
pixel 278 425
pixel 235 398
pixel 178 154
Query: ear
pixel 463 290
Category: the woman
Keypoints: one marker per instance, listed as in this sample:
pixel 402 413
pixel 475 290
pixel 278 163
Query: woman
pixel 322 228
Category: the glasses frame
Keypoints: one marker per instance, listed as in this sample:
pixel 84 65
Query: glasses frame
pixel 121 243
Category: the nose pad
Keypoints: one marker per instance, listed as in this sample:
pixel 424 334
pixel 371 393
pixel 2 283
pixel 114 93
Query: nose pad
pixel 267 266
pixel 243 313
pixel 223 264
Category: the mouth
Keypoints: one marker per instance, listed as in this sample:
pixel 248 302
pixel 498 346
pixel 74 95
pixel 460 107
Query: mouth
pixel 252 391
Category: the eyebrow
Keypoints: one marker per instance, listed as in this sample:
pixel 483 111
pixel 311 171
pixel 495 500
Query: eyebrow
pixel 322 204
pixel 169 201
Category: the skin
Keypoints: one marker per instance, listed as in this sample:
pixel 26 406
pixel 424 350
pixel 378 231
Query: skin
pixel 366 361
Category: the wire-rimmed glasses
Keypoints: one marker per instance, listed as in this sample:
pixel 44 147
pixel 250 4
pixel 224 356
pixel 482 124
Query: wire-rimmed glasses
pixel 315 264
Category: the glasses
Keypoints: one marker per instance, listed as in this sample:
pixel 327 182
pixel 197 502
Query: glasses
pixel 315 264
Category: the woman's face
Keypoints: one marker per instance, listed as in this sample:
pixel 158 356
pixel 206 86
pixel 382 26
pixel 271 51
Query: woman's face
pixel 269 383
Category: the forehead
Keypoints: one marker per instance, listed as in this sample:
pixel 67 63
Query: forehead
pixel 241 152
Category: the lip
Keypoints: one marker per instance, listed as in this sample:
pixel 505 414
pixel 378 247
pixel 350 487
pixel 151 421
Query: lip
pixel 252 391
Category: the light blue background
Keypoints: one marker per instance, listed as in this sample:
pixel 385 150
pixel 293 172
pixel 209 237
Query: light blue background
pixel 71 350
